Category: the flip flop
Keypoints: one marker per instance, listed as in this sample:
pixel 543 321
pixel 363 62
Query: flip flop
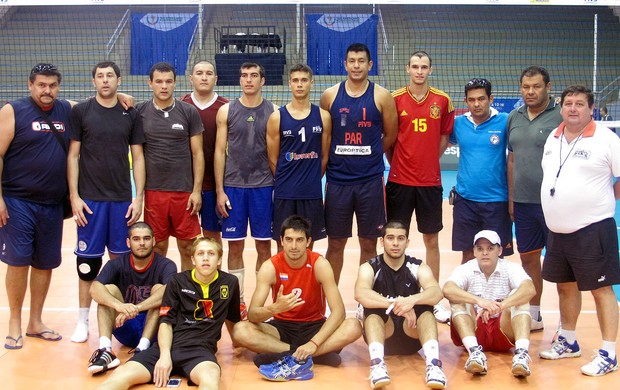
pixel 41 335
pixel 16 340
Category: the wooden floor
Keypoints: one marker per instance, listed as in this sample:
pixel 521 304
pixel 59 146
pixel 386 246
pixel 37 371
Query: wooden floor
pixel 62 365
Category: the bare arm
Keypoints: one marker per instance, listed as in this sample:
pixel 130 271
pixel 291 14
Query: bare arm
pixel 326 139
pixel 7 132
pixel 79 208
pixel 328 96
pixel 430 293
pixel 616 189
pixel 444 140
pixel 273 140
pixel 102 296
pixel 163 367
pixel 510 179
pixel 364 293
pixel 198 169
pixel 386 104
pixel 139 177
pixel 219 159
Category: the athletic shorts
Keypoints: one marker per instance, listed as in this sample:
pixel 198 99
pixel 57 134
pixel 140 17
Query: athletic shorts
pixel 33 234
pixel 399 343
pixel 296 333
pixel 366 200
pixel 311 209
pixel 107 227
pixel 588 256
pixel 489 336
pixel 403 200
pixel 470 217
pixel 184 360
pixel 165 212
pixel 209 218
pixel 530 227
pixel 253 204
pixel 131 332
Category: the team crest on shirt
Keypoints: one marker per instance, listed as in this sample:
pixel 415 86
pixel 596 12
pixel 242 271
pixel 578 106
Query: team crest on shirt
pixel 494 139
pixel 224 292
pixel 250 119
pixel 435 111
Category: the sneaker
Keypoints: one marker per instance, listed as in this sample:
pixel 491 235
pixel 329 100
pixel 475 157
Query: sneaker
pixel 601 364
pixel 288 368
pixel 243 309
pixel 536 325
pixel 477 362
pixel 378 374
pixel 561 349
pixel 521 363
pixel 102 360
pixel 261 359
pixel 435 378
pixel 441 314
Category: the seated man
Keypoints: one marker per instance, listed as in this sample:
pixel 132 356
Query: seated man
pixel 128 291
pixel 195 305
pixel 300 280
pixel 398 293
pixel 490 306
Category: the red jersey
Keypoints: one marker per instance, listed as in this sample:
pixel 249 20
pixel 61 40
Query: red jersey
pixel 303 283
pixel 415 161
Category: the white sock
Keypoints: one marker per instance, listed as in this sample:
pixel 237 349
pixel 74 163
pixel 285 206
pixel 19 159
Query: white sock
pixel 469 342
pixel 610 347
pixel 105 342
pixel 522 343
pixel 143 344
pixel 83 315
pixel 376 350
pixel 240 274
pixel 535 312
pixel 570 335
pixel 431 351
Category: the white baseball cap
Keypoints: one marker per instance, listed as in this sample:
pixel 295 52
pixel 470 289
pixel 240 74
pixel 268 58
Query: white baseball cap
pixel 489 235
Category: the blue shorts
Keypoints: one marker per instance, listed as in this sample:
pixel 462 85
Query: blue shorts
pixel 254 204
pixel 427 202
pixel 366 200
pixel 470 217
pixel 530 227
pixel 311 209
pixel 209 218
pixel 33 234
pixel 107 227
pixel 131 332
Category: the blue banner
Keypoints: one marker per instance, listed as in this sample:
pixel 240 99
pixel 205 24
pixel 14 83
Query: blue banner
pixel 329 35
pixel 161 37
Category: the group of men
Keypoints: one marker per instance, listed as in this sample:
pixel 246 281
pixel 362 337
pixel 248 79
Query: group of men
pixel 226 161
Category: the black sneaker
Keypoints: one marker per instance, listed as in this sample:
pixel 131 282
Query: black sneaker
pixel 102 360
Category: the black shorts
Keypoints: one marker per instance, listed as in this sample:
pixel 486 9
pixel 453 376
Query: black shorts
pixel 400 343
pixel 403 200
pixel 588 256
pixel 311 209
pixel 366 200
pixel 296 333
pixel 184 360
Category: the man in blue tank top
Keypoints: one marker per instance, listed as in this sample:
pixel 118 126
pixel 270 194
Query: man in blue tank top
pixel 365 124
pixel 298 137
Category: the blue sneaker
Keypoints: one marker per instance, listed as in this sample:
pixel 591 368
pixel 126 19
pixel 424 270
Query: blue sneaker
pixel 288 368
pixel 601 365
pixel 561 349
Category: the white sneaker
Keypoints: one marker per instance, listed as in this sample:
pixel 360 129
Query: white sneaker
pixel 521 363
pixel 561 349
pixel 441 314
pixel 80 334
pixel 600 365
pixel 378 375
pixel 536 326
pixel 477 362
pixel 435 378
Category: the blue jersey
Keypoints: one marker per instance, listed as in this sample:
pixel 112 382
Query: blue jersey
pixel 35 164
pixel 481 174
pixel 298 171
pixel 356 151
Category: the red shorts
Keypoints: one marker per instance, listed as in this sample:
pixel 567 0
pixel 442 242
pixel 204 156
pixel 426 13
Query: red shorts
pixel 166 212
pixel 489 335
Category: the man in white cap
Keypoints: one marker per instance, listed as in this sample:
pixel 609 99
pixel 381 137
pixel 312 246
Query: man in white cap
pixel 490 298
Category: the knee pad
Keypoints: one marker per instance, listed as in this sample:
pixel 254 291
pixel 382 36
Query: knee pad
pixel 88 268
pixel 461 309
pixel 520 309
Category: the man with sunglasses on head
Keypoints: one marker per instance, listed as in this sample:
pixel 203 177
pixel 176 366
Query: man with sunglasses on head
pixel 481 201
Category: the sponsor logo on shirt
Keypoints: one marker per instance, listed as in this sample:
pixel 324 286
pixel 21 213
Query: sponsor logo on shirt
pixel 403 113
pixel 583 154
pixel 163 311
pixel 494 139
pixel 40 126
pixel 177 126
pixel 291 156
pixel 186 291
pixel 351 150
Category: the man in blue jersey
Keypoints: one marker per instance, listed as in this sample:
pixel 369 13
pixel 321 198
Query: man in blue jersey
pixel 481 201
pixel 298 137
pixel 365 124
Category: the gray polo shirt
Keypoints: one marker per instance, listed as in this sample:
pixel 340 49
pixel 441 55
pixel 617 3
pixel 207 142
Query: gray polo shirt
pixel 526 140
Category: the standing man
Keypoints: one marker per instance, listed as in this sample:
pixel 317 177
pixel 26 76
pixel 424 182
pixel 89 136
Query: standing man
pixel 99 180
pixel 34 171
pixel 398 293
pixel 528 128
pixel 128 292
pixel 425 121
pixel 490 298
pixel 364 126
pixel 208 102
pixel 174 164
pixel 300 282
pixel 298 137
pixel 243 180
pixel 580 161
pixel 482 192
pixel 605 117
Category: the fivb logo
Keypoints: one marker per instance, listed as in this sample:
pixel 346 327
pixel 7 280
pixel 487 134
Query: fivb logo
pixel 43 126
